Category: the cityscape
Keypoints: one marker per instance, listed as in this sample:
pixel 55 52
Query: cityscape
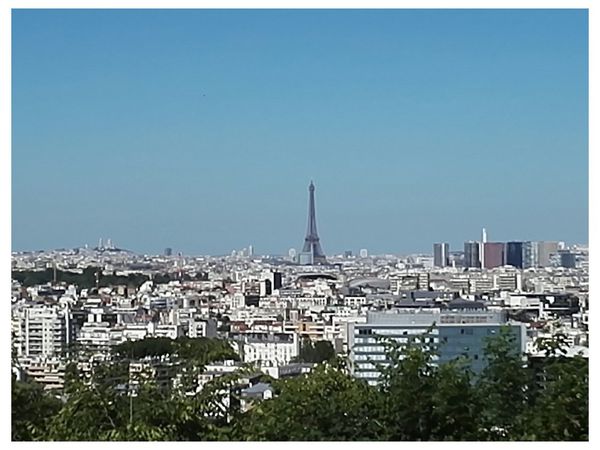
pixel 485 341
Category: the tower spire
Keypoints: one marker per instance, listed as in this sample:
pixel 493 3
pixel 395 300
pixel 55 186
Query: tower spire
pixel 311 241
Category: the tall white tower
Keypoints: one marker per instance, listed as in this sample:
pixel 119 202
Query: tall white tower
pixel 482 248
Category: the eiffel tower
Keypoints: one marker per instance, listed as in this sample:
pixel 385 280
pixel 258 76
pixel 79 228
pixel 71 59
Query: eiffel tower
pixel 311 241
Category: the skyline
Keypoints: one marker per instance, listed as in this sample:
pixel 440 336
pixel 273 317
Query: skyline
pixel 200 130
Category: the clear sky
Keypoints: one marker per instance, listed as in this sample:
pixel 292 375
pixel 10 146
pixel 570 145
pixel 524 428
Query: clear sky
pixel 201 130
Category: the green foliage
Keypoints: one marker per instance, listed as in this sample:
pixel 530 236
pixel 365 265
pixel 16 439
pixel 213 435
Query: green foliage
pixel 199 350
pixel 204 350
pixel 563 395
pixel 407 386
pixel 317 352
pixel 456 405
pixel 104 410
pixel 326 404
pixel 415 400
pixel 145 347
pixel 32 408
pixel 85 280
pixel 503 386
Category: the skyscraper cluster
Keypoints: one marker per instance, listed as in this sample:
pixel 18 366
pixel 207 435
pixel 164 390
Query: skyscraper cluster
pixel 519 254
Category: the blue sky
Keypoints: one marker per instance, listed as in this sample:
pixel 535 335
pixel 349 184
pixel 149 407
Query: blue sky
pixel 201 130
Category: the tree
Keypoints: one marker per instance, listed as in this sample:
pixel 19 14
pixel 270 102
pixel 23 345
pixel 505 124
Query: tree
pixel 503 387
pixel 318 352
pixel 32 408
pixel 326 404
pixel 560 411
pixel 406 391
pixel 456 405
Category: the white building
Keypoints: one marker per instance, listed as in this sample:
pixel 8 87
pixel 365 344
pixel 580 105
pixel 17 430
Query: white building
pixel 273 349
pixel 40 330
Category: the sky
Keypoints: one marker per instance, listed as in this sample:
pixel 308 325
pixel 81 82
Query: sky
pixel 201 130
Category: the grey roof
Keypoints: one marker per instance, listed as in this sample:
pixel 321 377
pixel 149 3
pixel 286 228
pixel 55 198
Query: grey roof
pixel 258 388
pixel 461 303
pixel 373 282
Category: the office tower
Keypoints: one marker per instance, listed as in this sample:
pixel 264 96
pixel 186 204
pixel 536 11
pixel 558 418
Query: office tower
pixel 312 243
pixel 530 255
pixel 472 254
pixel 545 250
pixel 250 250
pixel 482 247
pixel 514 254
pixel 364 253
pixel 348 254
pixel 441 254
pixel 462 329
pixel 568 259
pixel 493 254
pixel 168 251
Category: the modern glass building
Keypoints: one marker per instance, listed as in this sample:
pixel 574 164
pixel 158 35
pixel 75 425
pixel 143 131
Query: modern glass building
pixel 494 254
pixel 461 329
pixel 472 257
pixel 530 255
pixel 514 254
pixel 441 254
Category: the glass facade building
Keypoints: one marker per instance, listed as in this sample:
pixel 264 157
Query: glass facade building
pixel 514 254
pixel 457 332
pixel 441 254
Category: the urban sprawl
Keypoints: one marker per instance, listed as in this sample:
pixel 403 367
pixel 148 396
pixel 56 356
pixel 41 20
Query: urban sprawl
pixel 89 301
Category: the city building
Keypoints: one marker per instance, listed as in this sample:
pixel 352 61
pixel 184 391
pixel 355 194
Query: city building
pixel 514 254
pixel 472 254
pixel 441 254
pixel 493 254
pixel 530 255
pixel 460 329
pixel 545 251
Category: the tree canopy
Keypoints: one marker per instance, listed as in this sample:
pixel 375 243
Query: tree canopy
pixel 415 400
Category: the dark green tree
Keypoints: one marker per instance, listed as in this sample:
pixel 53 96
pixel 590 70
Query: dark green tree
pixel 31 409
pixel 317 352
pixel 560 410
pixel 326 404
pixel 503 387
pixel 406 391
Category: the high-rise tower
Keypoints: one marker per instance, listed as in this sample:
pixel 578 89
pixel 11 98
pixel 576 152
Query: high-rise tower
pixel 312 245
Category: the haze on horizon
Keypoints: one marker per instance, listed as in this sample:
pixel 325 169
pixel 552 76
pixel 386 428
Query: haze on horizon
pixel 201 130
